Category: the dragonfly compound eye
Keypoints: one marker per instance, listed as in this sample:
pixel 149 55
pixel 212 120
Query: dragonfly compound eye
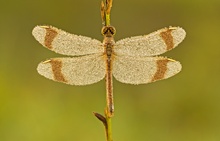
pixel 104 30
pixel 112 30
pixel 108 30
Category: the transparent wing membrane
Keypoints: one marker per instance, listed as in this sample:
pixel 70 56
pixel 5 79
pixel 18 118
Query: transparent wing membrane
pixel 65 43
pixel 152 44
pixel 142 70
pixel 74 71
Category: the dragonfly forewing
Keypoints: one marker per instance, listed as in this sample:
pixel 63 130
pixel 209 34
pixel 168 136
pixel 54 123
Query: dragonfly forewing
pixel 152 44
pixel 65 43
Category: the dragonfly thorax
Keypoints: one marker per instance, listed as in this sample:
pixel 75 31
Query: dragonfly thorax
pixel 108 32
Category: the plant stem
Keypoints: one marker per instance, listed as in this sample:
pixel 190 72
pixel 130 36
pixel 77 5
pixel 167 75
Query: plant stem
pixel 109 128
pixel 106 120
pixel 108 114
pixel 107 123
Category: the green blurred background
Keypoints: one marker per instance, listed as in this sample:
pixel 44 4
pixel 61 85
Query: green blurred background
pixel 183 108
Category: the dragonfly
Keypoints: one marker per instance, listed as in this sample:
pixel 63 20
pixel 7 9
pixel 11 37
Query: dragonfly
pixel 132 60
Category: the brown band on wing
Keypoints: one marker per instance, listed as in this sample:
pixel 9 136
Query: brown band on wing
pixel 168 38
pixel 49 37
pixel 56 68
pixel 161 69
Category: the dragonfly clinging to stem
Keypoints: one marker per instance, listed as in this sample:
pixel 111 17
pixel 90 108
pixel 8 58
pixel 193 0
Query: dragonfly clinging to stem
pixel 131 60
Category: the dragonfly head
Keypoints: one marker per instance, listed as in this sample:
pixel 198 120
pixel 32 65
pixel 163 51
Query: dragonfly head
pixel 108 31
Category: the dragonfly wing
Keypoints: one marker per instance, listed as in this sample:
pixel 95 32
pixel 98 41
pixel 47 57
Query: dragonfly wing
pixel 142 70
pixel 83 70
pixel 152 44
pixel 65 43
